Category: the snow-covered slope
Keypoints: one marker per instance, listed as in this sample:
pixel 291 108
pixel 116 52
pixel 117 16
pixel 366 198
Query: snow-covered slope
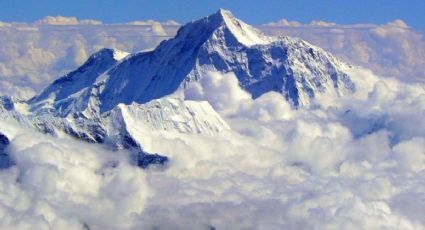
pixel 115 97
pixel 169 114
pixel 123 127
pixel 244 33
pixel 219 42
pixel 54 96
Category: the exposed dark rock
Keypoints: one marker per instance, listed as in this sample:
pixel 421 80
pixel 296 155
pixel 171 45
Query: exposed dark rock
pixel 128 142
pixel 86 226
pixel 5 160
pixel 45 128
pixel 144 160
pixel 98 133
pixel 7 103
pixel 95 134
pixel 4 141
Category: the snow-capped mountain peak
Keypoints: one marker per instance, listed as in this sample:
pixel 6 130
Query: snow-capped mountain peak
pixel 114 97
pixel 216 43
pixel 75 81
pixel 119 54
pixel 244 33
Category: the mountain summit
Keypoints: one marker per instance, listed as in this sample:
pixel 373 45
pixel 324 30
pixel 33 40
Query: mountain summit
pixel 219 42
pixel 82 77
pixel 223 22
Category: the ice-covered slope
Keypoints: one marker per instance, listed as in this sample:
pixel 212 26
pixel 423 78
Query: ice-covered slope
pixel 219 42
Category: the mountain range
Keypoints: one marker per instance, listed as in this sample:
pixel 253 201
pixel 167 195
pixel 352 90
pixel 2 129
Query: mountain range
pixel 114 97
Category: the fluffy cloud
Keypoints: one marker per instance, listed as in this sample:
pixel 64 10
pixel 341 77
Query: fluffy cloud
pixel 322 23
pixel 156 27
pixel 4 24
pixel 357 162
pixel 284 22
pixel 153 22
pixel 308 168
pixel 67 185
pixel 304 169
pixel 221 90
pixel 66 21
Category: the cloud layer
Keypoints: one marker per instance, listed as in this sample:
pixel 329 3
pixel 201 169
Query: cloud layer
pixel 353 163
pixel 67 185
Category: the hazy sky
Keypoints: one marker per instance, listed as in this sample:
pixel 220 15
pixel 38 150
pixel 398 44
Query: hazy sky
pixel 254 12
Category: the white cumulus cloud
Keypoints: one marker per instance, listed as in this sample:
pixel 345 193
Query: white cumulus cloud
pixel 353 163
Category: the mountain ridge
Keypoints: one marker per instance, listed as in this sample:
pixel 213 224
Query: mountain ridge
pixel 222 43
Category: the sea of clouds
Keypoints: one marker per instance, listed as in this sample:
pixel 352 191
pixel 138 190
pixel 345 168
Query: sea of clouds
pixel 353 163
pixel 357 162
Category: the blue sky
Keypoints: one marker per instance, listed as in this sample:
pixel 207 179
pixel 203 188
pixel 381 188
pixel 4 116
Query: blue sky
pixel 254 12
